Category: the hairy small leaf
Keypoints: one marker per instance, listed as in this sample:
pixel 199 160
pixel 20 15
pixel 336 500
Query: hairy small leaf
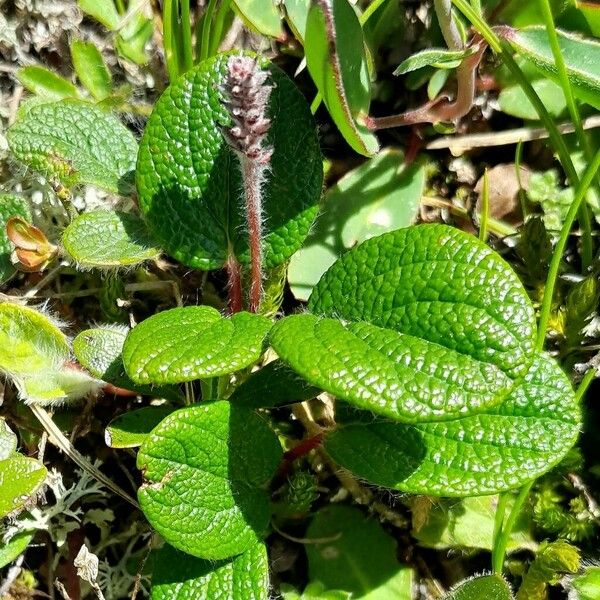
pixel 91 69
pixel 46 83
pixel 8 440
pixel 107 239
pixel 490 587
pixel 75 143
pixel 17 544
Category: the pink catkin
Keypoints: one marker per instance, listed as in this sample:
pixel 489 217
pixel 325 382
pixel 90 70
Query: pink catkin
pixel 247 96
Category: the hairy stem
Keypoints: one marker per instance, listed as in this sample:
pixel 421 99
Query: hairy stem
pixel 252 173
pixel 234 284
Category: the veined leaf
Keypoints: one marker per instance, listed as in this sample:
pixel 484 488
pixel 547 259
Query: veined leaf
pixel 108 239
pixel 189 179
pixel 424 323
pixel 74 142
pixel 195 342
pixel 337 62
pixel 501 449
pixel 582 59
pixel 206 485
pixel 177 576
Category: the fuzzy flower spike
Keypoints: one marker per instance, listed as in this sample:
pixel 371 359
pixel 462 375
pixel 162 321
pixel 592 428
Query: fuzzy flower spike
pixel 246 96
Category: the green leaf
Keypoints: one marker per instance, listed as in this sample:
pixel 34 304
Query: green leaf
pixel 469 523
pixel 100 352
pixel 513 100
pixel 177 576
pixel 262 16
pixel 20 479
pixel 381 195
pixel 441 58
pixel 337 62
pixel 17 544
pixel 75 143
pixel 29 341
pixel 490 587
pixel 103 11
pixel 296 12
pixel 195 342
pixel 8 440
pixel 107 239
pixel 133 38
pixel 315 590
pixel 206 483
pixel 551 562
pixel 582 59
pixel 358 557
pixel 91 69
pixel 10 206
pixel 46 83
pixel 501 449
pixel 428 324
pixel 132 428
pixel 273 385
pixel 588 584
pixel 189 179
pixel 34 353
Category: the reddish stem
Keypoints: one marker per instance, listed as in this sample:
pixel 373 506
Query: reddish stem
pixel 234 284
pixel 253 177
pixel 298 451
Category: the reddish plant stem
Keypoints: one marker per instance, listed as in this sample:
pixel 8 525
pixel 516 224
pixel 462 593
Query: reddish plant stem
pixel 298 451
pixel 440 109
pixel 252 171
pixel 234 284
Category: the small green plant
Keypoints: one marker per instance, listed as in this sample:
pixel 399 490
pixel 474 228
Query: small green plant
pixel 418 364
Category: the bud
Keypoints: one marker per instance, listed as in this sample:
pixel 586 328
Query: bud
pixel 32 251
